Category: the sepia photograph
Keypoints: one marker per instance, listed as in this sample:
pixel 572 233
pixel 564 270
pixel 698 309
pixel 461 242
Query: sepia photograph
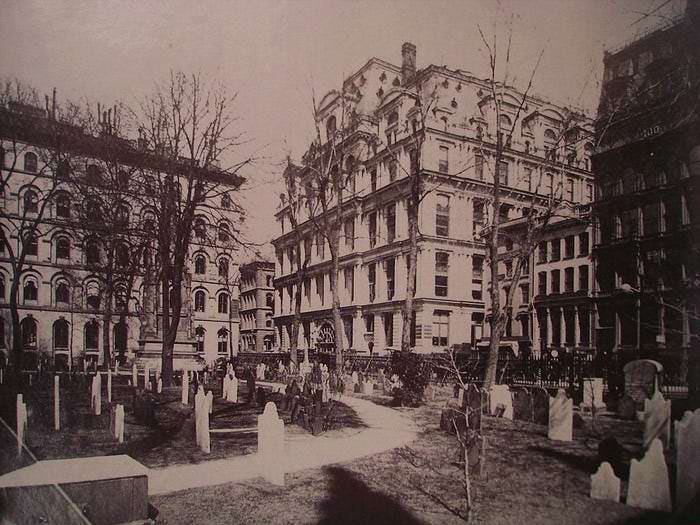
pixel 350 262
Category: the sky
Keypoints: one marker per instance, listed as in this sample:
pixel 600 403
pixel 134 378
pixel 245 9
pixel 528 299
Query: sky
pixel 274 53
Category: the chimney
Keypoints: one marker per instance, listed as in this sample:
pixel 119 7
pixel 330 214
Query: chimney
pixel 408 62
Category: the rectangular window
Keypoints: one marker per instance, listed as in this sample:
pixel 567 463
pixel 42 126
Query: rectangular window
pixel 372 280
pixel 527 179
pixel 584 326
pixel 569 246
pixel 556 250
pixel 390 271
pixel 369 323
pixel 389 329
pixel 349 230
pixel 392 170
pixel 307 248
pixel 569 189
pixel 542 283
pixel 542 252
pixel 443 163
pixel 320 289
pixel 479 167
pixel 556 284
pixel 477 267
pixel 525 293
pixel 307 290
pixel 651 218
pixel 320 246
pixel 414 161
pixel 391 222
pixel 583 277
pixel 503 173
pixel 441 328
pixel 347 326
pixel 589 193
pixel 349 274
pixel 569 326
pixel 442 216
pixel 372 226
pixel 442 265
pixel 569 280
pixel 548 184
pixel 583 244
pixel 373 180
pixel 478 219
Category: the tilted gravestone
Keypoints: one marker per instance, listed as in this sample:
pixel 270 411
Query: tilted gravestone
pixel 522 404
pixel 560 417
pixel 605 484
pixel 657 420
pixel 649 483
pixel 540 406
pixel 687 434
pixel 642 380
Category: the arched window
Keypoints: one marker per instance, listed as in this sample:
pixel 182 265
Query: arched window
pixel 505 123
pixel 62 293
pixel 330 127
pixel 30 290
pixel 93 210
pixel 200 228
pixel 63 170
pixel 268 321
pixel 199 339
pixel 92 336
pixel 30 243
pixel 121 301
pixel 392 119
pixel 223 268
pixel 200 300
pixel 31 201
pixel 30 162
pixel 550 144
pixel 122 255
pixel 93 174
pixel 270 300
pixel 63 206
pixel 200 265
pixel 121 336
pixel 92 252
pixel 28 331
pixel 2 288
pixel 222 346
pixel 62 248
pixel 92 293
pixel 121 215
pixel 224 232
pixel 226 201
pixel 60 335
pixel 149 223
pixel 223 303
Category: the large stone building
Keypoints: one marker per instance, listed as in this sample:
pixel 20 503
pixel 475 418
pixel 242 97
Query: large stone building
pixel 257 306
pixel 89 229
pixel 457 137
pixel 647 168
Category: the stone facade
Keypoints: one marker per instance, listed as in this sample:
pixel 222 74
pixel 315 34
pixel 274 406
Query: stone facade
pixel 257 306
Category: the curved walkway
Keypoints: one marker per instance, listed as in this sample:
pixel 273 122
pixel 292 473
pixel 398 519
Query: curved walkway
pixel 386 429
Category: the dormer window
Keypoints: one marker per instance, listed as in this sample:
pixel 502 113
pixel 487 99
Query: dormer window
pixel 30 162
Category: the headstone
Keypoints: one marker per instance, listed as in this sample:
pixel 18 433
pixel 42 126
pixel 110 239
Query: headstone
pixel 592 393
pixel 147 378
pixel 134 375
pixel 109 385
pixel 641 380
pixel 657 420
pixel 560 417
pixel 540 406
pixel 472 403
pixel 210 402
pixel 428 393
pixel 21 422
pixel 185 393
pixel 500 401
pixel 626 408
pixel 687 434
pixel 460 397
pixel 271 445
pixel 605 484
pixel 119 424
pixel 96 398
pixel 56 403
pixel 160 385
pixel 232 393
pixel 201 414
pixel 649 484
pixel 522 404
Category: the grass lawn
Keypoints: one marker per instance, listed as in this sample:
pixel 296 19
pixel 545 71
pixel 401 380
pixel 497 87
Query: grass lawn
pixel 528 479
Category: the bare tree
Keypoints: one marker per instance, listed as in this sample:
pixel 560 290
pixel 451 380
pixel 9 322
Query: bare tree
pixel 187 124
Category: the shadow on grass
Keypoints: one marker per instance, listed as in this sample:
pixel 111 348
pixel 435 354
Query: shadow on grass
pixel 350 500
pixel 582 463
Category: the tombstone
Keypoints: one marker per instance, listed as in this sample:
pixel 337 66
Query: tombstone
pixel 687 434
pixel 119 424
pixel 381 379
pixel 56 403
pixel 605 484
pixel 641 380
pixel 271 445
pixel 657 420
pixel 21 422
pixel 185 390
pixel 500 401
pixel 460 397
pixel 134 375
pixel 627 408
pixel 210 402
pixel 522 404
pixel 428 393
pixel 540 406
pixel 96 397
pixel 201 416
pixel 232 393
pixel 560 417
pixel 473 405
pixel 593 393
pixel 649 485
pixel 109 385
pixel 147 378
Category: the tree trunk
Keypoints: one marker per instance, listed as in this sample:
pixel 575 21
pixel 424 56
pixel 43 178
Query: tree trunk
pixel 171 317
pixel 16 331
pixel 106 325
pixel 407 310
pixel 337 319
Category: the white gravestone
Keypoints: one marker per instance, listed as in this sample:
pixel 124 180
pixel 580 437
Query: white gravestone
pixel 210 402
pixel 230 388
pixel 21 422
pixel 119 423
pixel 109 385
pixel 593 393
pixel 225 386
pixel 500 395
pixel 460 397
pixel 201 412
pixel 605 484
pixel 56 403
pixel 134 375
pixel 271 445
pixel 147 378
pixel 561 416
pixel 185 399
pixel 648 484
pixel 160 385
pixel 687 432
pixel 657 420
pixel 96 397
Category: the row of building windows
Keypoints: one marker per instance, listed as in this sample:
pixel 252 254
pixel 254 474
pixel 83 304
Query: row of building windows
pixel 551 251
pixel 200 302
pixel 652 218
pixel 569 281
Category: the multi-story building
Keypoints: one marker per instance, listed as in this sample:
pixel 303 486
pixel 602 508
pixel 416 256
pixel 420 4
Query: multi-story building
pixel 257 306
pixel 48 167
pixel 647 169
pixel 457 139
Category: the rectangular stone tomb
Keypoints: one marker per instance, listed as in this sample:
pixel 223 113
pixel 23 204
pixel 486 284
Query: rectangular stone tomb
pixel 112 489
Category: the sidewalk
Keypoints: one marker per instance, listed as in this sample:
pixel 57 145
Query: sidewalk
pixel 386 429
